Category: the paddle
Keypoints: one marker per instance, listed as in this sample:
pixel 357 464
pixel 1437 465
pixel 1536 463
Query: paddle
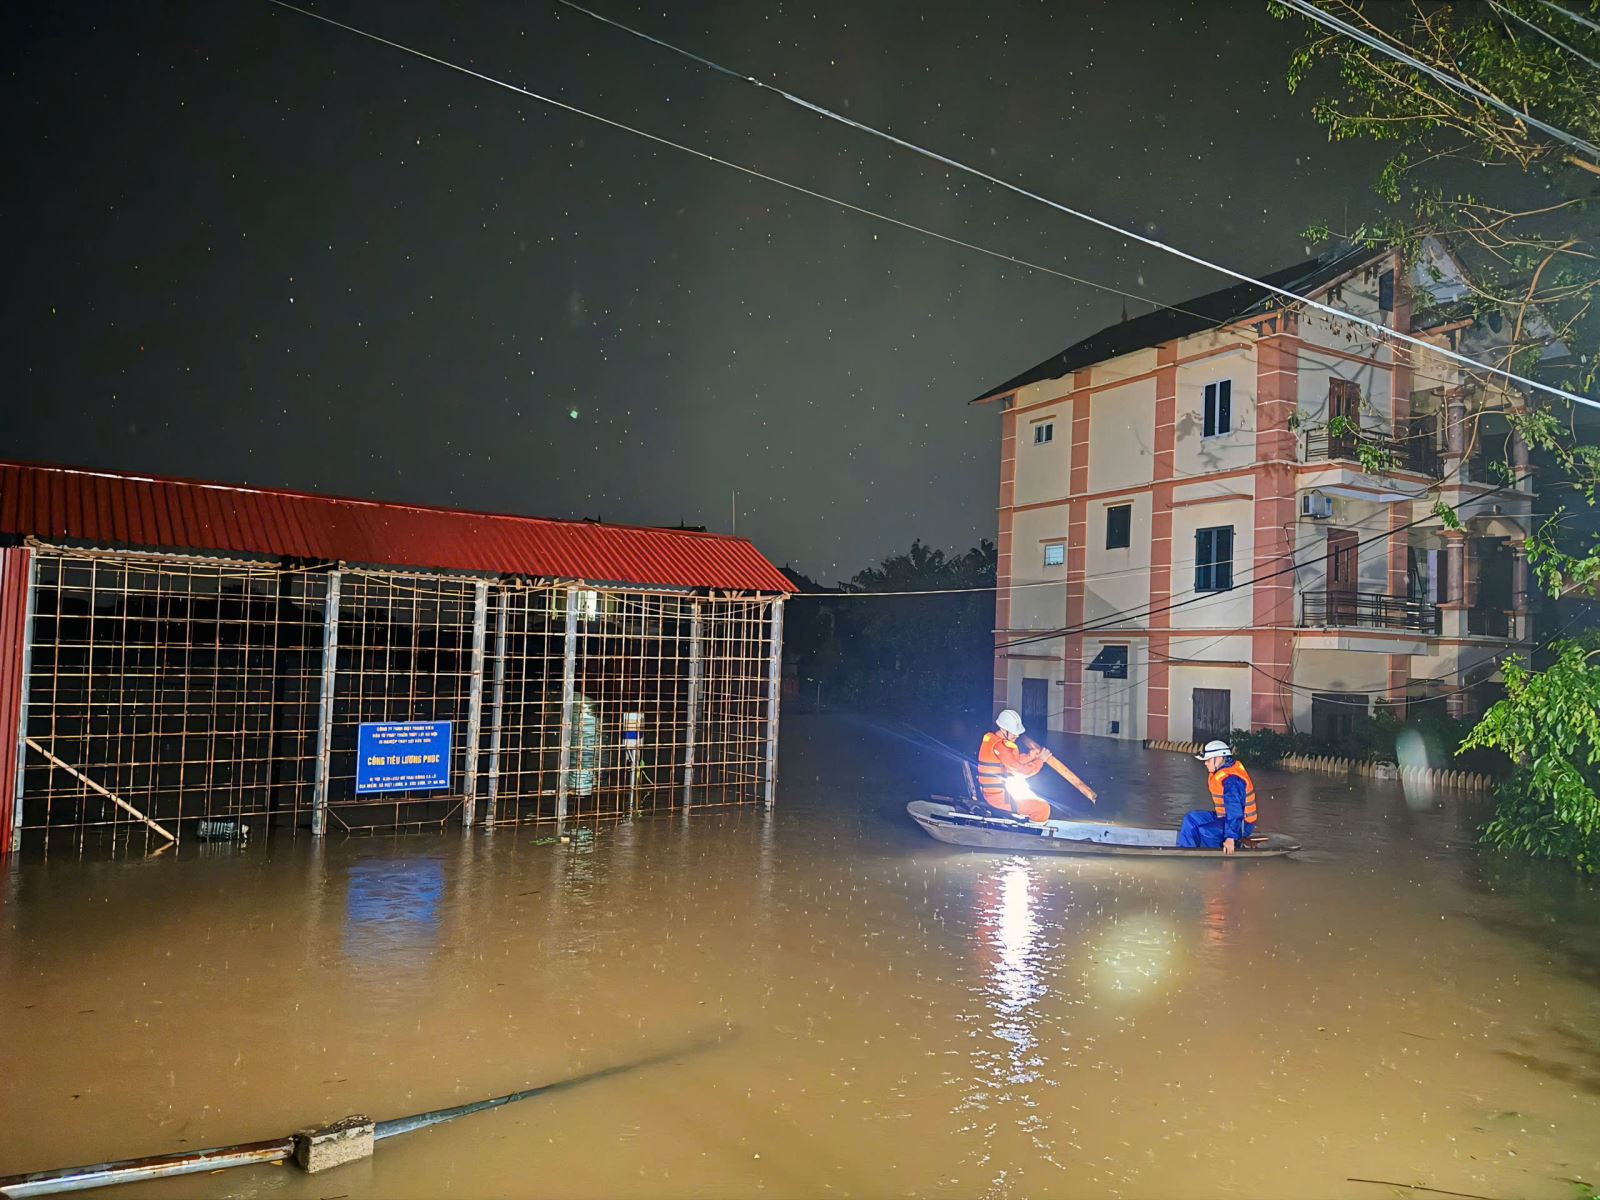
pixel 1060 768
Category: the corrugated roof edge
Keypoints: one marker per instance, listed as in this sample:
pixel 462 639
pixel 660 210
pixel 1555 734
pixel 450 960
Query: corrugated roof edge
pixel 253 489
pixel 740 558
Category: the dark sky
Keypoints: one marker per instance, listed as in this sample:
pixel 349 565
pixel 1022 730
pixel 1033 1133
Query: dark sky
pixel 244 245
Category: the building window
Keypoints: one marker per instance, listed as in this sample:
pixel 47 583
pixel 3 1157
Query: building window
pixel 1055 554
pixel 1119 526
pixel 1111 662
pixel 1219 408
pixel 1044 433
pixel 1213 559
pixel 1386 291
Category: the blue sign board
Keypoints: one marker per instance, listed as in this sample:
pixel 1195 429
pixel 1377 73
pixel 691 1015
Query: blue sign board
pixel 403 756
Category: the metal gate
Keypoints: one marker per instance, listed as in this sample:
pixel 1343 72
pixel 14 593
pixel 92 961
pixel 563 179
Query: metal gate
pixel 159 692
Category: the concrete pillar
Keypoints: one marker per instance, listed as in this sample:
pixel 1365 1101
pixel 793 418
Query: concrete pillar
pixel 1520 467
pixel 1455 438
pixel 469 782
pixel 330 678
pixel 696 682
pixel 1454 593
pixel 497 704
pixel 569 681
pixel 1521 618
pixel 1003 549
pixel 774 698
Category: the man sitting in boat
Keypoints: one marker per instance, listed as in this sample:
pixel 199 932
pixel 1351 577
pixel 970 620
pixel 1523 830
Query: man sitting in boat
pixel 1232 816
pixel 1003 766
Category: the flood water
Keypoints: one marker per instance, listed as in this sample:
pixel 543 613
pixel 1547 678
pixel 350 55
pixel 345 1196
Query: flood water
pixel 848 1008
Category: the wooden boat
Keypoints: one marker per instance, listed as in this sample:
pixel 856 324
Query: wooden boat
pixel 954 825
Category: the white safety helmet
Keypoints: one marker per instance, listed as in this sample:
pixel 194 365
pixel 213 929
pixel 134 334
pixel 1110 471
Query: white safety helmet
pixel 1215 750
pixel 1011 721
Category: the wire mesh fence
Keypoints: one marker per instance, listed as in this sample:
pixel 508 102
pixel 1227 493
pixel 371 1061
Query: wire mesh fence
pixel 169 698
pixel 185 691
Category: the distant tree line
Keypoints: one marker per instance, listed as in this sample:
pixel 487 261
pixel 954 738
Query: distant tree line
pixel 864 646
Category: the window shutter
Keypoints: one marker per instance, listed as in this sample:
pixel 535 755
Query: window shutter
pixel 1225 406
pixel 1224 558
pixel 1209 422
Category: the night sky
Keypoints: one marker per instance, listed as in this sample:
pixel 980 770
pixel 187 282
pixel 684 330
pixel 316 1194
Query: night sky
pixel 244 245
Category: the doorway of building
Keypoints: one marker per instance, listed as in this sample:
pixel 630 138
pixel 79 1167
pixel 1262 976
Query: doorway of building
pixel 1334 715
pixel 1343 575
pixel 1213 714
pixel 1344 401
pixel 1036 706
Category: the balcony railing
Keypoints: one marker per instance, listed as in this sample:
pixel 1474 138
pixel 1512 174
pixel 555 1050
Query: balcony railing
pixel 1367 610
pixel 1407 451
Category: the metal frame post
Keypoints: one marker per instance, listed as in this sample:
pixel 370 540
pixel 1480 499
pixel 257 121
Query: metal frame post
pixel 696 683
pixel 469 782
pixel 569 671
pixel 497 706
pixel 330 675
pixel 774 693
pixel 22 700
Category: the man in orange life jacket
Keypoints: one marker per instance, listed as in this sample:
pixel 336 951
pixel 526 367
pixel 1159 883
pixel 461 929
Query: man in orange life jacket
pixel 1000 759
pixel 1232 816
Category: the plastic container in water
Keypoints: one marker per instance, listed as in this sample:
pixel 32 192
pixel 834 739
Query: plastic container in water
pixel 222 831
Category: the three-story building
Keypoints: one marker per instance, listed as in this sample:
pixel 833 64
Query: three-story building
pixel 1222 514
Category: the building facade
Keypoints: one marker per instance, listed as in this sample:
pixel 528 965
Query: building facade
pixel 1222 515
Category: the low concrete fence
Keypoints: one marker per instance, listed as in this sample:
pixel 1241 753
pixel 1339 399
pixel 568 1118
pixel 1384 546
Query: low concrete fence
pixel 1469 781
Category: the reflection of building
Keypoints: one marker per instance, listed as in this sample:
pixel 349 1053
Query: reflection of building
pixel 1213 487
pixel 176 651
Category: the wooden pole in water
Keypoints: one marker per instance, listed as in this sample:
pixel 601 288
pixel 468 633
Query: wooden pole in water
pixel 95 787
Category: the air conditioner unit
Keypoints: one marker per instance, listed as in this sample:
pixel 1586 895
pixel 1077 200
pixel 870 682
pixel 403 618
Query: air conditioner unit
pixel 1316 506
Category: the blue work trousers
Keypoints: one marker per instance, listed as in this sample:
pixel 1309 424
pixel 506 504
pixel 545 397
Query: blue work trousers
pixel 1204 830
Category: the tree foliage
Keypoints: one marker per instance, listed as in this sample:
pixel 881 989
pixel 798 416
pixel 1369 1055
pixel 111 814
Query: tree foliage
pixel 1516 207
pixel 929 650
pixel 923 651
pixel 1549 725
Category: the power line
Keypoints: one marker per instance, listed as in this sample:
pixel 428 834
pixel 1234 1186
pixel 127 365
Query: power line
pixel 1196 598
pixel 1306 9
pixel 1155 243
pixel 1294 565
pixel 723 162
pixel 844 204
pixel 1542 32
pixel 1571 16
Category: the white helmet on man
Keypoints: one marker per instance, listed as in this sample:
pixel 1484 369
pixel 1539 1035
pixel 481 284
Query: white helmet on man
pixel 1010 720
pixel 1215 750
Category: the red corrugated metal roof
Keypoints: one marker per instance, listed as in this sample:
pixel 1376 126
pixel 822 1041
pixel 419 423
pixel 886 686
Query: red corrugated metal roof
pixel 110 509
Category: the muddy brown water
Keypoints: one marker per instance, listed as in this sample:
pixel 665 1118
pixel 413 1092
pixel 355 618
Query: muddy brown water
pixel 898 1018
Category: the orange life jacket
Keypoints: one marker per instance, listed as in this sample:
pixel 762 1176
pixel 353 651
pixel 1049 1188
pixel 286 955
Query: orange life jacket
pixel 1233 771
pixel 998 757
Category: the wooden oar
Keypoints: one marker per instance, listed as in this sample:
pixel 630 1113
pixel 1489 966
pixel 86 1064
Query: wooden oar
pixel 1059 767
